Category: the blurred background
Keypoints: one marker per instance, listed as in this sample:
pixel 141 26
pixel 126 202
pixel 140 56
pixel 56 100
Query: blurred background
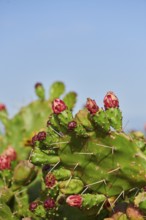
pixel 92 46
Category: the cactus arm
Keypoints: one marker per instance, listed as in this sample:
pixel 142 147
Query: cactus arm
pixel 5 212
pixel 70 100
pixel 56 90
pixel 39 158
pixel 4 118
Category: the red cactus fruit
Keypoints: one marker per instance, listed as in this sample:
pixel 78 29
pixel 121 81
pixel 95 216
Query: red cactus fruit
pixel 49 203
pixel 58 106
pixel 111 100
pixel 5 162
pixel 2 107
pixel 74 200
pixel 50 180
pixel 41 136
pixel 34 139
pixel 92 106
pixel 33 206
pixel 72 125
pixel 10 153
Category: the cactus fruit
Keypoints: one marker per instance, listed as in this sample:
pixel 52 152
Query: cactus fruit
pixel 49 203
pixel 74 200
pixel 5 162
pixel 111 101
pixel 10 153
pixel 58 106
pixel 33 206
pixel 2 107
pixel 92 106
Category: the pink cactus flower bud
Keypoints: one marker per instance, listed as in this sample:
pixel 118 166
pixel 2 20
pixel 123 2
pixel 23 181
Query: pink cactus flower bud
pixel 10 153
pixel 50 180
pixel 41 136
pixel 72 125
pixel 92 106
pixel 49 203
pixel 74 200
pixel 2 107
pixel 5 162
pixel 33 206
pixel 111 101
pixel 58 106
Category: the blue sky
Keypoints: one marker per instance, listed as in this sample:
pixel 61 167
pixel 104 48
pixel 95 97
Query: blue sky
pixel 92 46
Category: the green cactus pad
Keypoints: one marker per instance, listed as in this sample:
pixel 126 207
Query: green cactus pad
pixel 31 119
pixel 107 162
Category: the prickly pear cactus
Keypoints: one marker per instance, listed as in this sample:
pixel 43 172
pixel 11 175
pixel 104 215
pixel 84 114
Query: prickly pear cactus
pixel 86 160
pixel 31 118
pixel 16 180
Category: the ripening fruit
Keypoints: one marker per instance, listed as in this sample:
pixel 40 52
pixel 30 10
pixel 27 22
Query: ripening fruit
pixel 41 136
pixel 72 125
pixel 50 180
pixel 2 107
pixel 74 200
pixel 33 206
pixel 111 100
pixel 92 106
pixel 49 203
pixel 58 106
pixel 5 162
pixel 10 153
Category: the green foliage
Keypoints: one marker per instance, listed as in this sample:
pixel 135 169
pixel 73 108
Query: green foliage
pixel 80 167
pixel 31 118
pixel 97 152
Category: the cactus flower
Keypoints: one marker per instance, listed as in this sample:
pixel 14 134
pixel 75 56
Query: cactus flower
pixel 92 106
pixel 10 153
pixel 58 106
pixel 5 162
pixel 74 200
pixel 2 107
pixel 49 203
pixel 111 100
pixel 33 206
pixel 72 125
pixel 50 180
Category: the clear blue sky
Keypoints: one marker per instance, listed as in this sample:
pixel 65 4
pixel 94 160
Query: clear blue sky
pixel 93 46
